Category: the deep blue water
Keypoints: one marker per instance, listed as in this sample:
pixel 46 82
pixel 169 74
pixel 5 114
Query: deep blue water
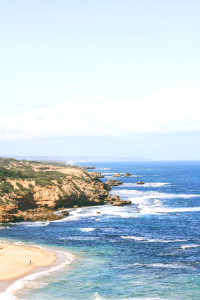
pixel 149 250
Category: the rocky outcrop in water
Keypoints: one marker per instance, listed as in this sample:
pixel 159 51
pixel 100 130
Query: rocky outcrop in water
pixel 95 175
pixel 117 175
pixel 116 201
pixel 113 182
pixel 127 174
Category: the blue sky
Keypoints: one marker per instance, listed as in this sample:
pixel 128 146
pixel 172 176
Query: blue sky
pixel 117 72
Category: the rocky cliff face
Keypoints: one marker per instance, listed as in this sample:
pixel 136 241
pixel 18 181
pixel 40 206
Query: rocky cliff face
pixel 57 187
pixel 32 191
pixel 71 192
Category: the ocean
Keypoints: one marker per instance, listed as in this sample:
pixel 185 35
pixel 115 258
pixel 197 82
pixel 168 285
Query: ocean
pixel 149 250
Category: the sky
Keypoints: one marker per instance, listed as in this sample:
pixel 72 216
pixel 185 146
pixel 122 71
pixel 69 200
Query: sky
pixel 100 78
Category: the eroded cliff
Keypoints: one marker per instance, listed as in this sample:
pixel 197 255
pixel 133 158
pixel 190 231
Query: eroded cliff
pixel 27 189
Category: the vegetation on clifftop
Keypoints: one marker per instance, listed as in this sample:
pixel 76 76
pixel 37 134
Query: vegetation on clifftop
pixel 12 169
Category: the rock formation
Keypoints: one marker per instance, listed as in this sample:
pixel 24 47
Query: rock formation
pixel 113 182
pixel 95 175
pixel 28 187
pixel 117 175
pixel 127 174
pixel 33 191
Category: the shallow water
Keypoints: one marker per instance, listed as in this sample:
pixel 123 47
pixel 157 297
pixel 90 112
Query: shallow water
pixel 147 250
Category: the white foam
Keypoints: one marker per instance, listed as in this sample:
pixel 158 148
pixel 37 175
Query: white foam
pixel 28 280
pixel 37 224
pixel 189 246
pixel 150 194
pixel 147 184
pixel 149 202
pixel 19 243
pixel 145 239
pixel 100 168
pixel 87 229
pixel 105 211
pixel 174 209
pixel 166 266
pixel 108 173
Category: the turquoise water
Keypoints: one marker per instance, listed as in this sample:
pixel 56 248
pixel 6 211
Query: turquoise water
pixel 149 250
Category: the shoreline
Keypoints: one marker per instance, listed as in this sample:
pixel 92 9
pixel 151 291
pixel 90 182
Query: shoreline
pixel 55 261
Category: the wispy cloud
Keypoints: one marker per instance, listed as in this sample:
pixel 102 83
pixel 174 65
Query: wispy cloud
pixel 86 97
pixel 161 111
pixel 39 106
pixel 21 104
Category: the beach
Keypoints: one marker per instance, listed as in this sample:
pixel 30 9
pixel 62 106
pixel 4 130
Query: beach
pixel 18 260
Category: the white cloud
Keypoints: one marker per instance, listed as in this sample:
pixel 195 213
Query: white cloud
pixel 168 110
pixel 86 97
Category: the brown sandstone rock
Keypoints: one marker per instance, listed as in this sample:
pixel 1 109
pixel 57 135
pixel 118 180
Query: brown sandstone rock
pixel 117 175
pixel 113 182
pixel 95 175
pixel 127 174
pixel 117 203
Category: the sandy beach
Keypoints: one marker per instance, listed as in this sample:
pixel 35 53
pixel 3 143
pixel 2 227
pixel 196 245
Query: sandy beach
pixel 18 260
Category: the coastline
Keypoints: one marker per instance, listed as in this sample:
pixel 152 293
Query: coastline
pixel 53 260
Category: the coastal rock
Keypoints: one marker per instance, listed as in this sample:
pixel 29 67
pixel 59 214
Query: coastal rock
pixel 113 182
pixel 127 202
pixel 120 202
pixel 52 187
pixel 127 174
pixel 117 175
pixel 24 216
pixel 140 182
pixel 117 203
pixel 65 213
pixel 45 217
pixel 95 175
pixel 108 199
pixel 87 168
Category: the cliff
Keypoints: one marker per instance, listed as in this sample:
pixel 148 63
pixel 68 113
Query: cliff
pixel 32 191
